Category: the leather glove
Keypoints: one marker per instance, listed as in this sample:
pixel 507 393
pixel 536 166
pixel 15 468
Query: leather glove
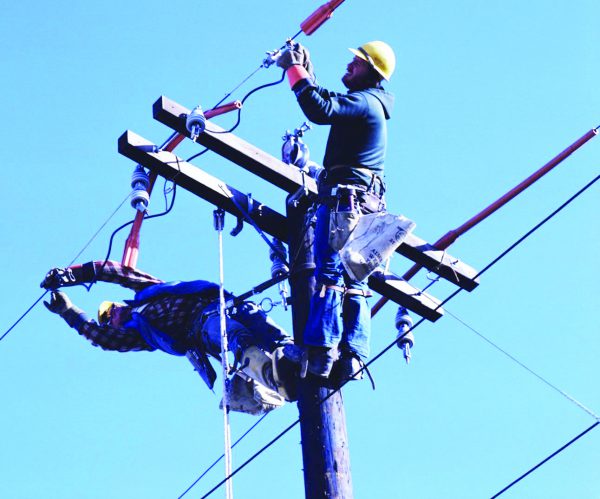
pixel 291 56
pixel 69 276
pixel 59 303
pixel 308 65
pixel 57 277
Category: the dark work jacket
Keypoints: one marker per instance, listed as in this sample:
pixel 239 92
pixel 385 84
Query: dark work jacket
pixel 358 136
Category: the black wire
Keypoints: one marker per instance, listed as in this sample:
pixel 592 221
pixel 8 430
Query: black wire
pixel 223 455
pixel 391 345
pixel 23 316
pixel 239 114
pixel 198 154
pixel 147 217
pixel 545 460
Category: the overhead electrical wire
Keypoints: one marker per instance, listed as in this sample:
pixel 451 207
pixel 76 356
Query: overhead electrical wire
pixel 528 369
pixel 239 114
pixel 418 323
pixel 114 233
pixel 71 263
pixel 554 454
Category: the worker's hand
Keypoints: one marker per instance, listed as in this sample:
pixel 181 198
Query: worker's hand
pixel 59 302
pixel 58 277
pixel 308 65
pixel 291 56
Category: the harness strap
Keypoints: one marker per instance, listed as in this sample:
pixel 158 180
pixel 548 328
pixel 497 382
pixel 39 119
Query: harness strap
pixel 344 290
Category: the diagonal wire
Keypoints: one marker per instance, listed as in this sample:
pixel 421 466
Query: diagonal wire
pixel 545 460
pixel 223 455
pixel 531 371
pixel 71 263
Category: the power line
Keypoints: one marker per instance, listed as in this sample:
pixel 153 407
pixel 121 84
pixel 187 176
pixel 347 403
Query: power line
pixel 391 345
pixel 546 460
pixel 531 371
pixel 71 263
pixel 223 455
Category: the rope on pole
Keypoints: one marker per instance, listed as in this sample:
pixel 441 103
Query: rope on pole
pixel 219 219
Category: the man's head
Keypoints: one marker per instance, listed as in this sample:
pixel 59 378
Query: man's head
pixel 372 63
pixel 113 314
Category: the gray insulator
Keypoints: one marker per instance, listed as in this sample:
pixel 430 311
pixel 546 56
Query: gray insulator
pixel 403 324
pixel 139 178
pixel 195 121
pixel 140 199
pixel 402 318
pixel 279 267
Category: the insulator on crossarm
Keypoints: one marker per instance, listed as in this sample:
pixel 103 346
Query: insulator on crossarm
pixel 139 183
pixel 195 122
pixel 277 256
pixel 405 338
pixel 294 151
pixel 139 176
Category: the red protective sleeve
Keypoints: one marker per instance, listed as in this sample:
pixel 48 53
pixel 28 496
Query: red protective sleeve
pixel 296 73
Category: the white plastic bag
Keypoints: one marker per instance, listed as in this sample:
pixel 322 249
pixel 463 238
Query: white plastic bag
pixel 373 241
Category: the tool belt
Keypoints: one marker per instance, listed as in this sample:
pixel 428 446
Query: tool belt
pixel 354 197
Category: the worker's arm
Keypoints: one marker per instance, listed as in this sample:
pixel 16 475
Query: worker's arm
pixel 326 108
pixel 105 337
pixel 318 104
pixel 109 271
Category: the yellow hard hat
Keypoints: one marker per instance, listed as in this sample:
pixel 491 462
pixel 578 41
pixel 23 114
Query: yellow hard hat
pixel 105 311
pixel 379 55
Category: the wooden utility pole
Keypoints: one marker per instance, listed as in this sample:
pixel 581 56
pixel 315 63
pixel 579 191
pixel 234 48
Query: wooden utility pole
pixel 322 419
pixel 325 452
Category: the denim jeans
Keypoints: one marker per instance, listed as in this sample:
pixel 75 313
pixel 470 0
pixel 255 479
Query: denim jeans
pixel 331 322
pixel 249 325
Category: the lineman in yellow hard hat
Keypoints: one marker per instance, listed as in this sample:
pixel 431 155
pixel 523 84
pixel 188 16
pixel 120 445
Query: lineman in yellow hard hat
pixel 353 163
pixel 380 57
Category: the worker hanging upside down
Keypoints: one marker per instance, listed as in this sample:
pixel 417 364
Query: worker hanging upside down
pixel 338 329
pixel 181 318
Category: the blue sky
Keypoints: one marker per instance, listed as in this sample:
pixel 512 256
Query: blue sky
pixel 486 93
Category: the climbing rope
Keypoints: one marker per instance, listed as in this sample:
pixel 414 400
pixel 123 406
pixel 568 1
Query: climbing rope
pixel 219 220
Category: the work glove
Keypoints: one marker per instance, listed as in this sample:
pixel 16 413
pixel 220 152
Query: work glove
pixel 59 303
pixel 308 65
pixel 291 56
pixel 70 276
pixel 57 277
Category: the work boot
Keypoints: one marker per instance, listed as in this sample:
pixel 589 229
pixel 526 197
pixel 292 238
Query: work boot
pixel 258 365
pixel 320 360
pixel 348 366
pixel 286 369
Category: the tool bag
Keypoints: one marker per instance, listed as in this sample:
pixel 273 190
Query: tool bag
pixel 373 240
pixel 348 203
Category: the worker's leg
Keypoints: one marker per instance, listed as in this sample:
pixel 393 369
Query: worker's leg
pixel 324 325
pixel 264 331
pixel 354 346
pixel 356 319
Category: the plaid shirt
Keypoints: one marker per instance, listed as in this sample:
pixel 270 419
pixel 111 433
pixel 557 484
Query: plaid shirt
pixel 172 314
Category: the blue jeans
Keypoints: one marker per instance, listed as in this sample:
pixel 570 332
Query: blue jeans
pixel 336 321
pixel 249 325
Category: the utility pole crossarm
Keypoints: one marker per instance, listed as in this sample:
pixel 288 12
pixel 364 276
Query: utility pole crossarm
pixel 403 293
pixel 234 149
pixel 200 183
pixel 439 262
pixel 289 179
